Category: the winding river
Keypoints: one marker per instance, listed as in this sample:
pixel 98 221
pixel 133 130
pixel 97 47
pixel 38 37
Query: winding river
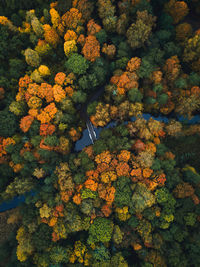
pixel 88 137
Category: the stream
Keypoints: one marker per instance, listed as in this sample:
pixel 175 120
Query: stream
pixel 86 140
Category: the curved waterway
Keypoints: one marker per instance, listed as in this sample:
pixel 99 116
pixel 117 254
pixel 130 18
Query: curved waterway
pixel 86 141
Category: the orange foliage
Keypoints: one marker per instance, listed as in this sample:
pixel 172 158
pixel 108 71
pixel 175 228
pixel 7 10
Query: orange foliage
pixel 109 50
pixel 195 90
pixel 195 199
pixel 33 89
pixel 55 237
pixel 107 193
pixel 48 113
pixel 75 135
pixel 160 179
pixel 71 18
pixel 92 174
pixel 91 48
pixel 172 68
pixel 89 151
pixel 123 80
pixel 124 155
pixel 103 157
pixel 60 208
pixel 136 172
pixel 33 112
pixel 93 27
pixel 60 78
pixel 120 90
pixel 106 209
pixel 46 91
pixel 24 81
pixel 147 172
pixel 136 246
pixel 77 199
pixel 81 40
pixel 70 35
pixel 151 147
pixel 52 221
pixel 51 35
pixel 46 147
pixel 58 93
pixel 156 76
pixel 133 64
pixel 69 90
pixel 91 184
pixel 123 169
pixel 3 143
pixel 26 122
pixel 177 9
pixel 102 167
pixel 47 129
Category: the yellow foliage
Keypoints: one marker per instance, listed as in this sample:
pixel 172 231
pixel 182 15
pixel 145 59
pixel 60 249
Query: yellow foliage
pixel 122 213
pixel 34 102
pixel 70 47
pixel 45 211
pixel 103 157
pixel 108 176
pixel 55 17
pixel 44 70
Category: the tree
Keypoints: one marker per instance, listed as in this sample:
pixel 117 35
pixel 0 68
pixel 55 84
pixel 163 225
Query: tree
pixel 177 9
pixel 100 231
pixel 91 48
pixel 77 64
pixel 8 125
pixel 32 58
pixel 138 33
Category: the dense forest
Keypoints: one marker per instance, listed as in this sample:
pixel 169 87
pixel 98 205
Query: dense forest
pixel 132 197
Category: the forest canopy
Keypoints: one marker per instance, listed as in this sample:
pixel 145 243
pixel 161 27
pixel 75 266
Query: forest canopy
pixel 128 73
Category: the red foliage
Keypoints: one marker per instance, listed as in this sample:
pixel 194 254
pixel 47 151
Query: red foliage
pixel 47 129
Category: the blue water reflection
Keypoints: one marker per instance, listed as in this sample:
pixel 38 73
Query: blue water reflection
pixel 86 141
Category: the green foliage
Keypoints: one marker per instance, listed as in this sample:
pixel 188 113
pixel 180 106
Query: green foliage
pixel 58 254
pixel 162 99
pixel 100 230
pixel 190 219
pixel 162 195
pixel 101 36
pixel 42 237
pixel 51 140
pixel 181 83
pixel 146 68
pixel 8 125
pixel 101 253
pixel 135 95
pixel 123 192
pixel 18 108
pixel 91 108
pixel 87 193
pixel 142 198
pixel 194 79
pixel 77 64
pixel 79 97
